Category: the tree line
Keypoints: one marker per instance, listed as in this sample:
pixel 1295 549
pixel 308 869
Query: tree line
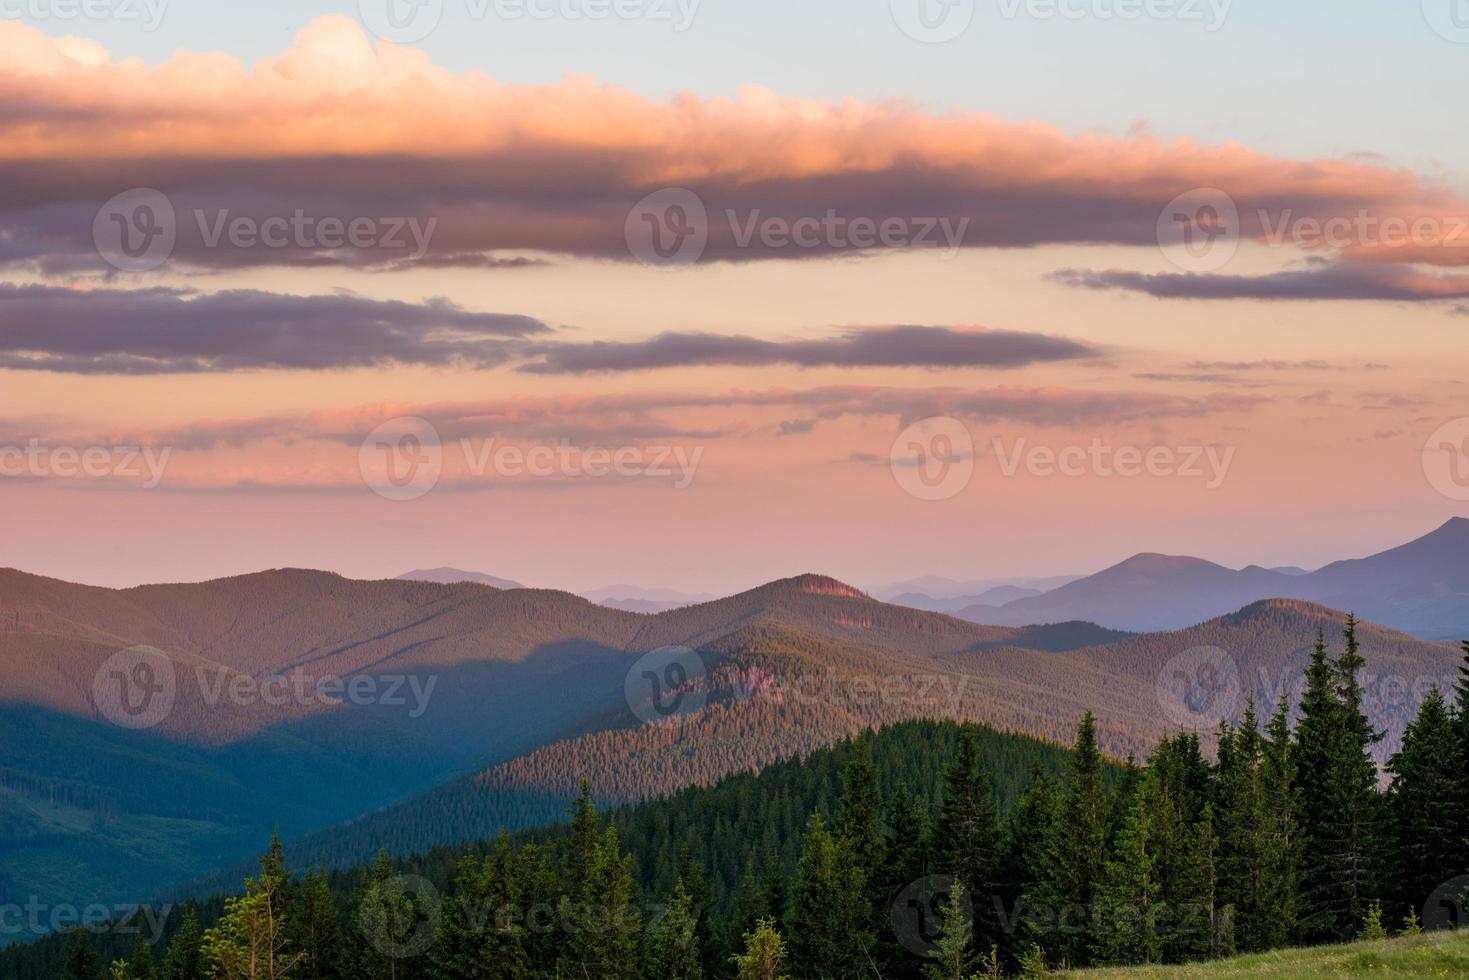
pixel 908 866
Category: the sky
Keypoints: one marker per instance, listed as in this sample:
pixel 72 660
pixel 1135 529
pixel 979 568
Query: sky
pixel 701 294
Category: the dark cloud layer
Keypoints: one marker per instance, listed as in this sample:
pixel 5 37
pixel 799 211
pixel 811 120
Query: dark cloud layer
pixel 162 331
pixel 1321 281
pixel 898 346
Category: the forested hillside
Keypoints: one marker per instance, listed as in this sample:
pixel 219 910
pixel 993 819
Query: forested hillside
pixel 919 851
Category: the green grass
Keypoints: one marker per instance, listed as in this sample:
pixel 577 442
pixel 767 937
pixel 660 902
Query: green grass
pixel 1439 954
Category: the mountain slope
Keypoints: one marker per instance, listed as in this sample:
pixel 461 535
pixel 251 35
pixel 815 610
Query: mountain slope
pixel 502 673
pixel 1421 587
pixel 452 576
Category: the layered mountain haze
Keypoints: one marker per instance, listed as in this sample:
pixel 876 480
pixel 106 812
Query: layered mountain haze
pixel 461 708
pixel 1421 588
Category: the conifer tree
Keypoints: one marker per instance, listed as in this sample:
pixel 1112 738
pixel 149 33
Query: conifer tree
pixel 954 953
pixel 182 961
pixel 1283 844
pixel 1078 842
pixel 318 929
pixel 1245 853
pixel 81 963
pixel 140 964
pixel 830 920
pixel 765 954
pixel 1130 897
pixel 1357 812
pixel 1461 727
pixel 675 954
pixel 386 925
pixel 456 953
pixel 1424 802
pixel 966 835
pixel 1027 862
pixel 605 924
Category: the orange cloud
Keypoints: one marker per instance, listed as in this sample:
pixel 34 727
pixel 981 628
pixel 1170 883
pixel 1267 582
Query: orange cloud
pixel 340 125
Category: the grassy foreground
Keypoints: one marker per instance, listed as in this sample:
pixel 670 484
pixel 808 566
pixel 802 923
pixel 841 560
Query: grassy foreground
pixel 1439 954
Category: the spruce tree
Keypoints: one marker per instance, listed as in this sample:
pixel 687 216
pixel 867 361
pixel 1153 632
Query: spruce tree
pixel 1131 894
pixel 830 919
pixel 1026 864
pixel 1281 800
pixel 1461 727
pixel 1078 841
pixel 140 962
pixel 318 929
pixel 954 952
pixel 605 924
pixel 1245 851
pixel 81 962
pixel 1358 813
pixel 966 835
pixel 675 951
pixel 182 961
pixel 765 954
pixel 1425 806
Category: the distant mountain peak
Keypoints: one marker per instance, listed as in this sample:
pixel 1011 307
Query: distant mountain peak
pixel 454 576
pixel 1150 561
pixel 821 585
